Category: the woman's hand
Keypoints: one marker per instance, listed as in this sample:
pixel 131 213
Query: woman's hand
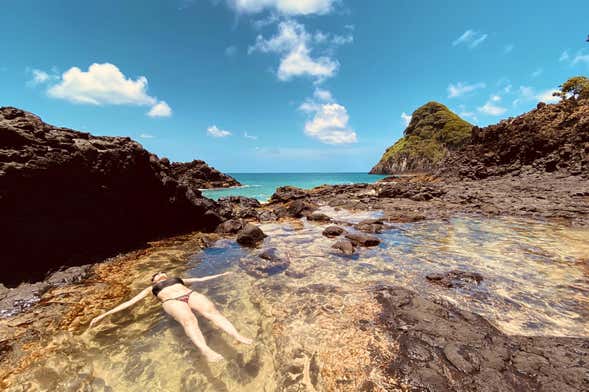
pixel 96 320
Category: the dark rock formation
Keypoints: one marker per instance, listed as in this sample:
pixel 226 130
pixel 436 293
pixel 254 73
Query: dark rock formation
pixel 287 193
pixel 69 198
pixel 455 279
pixel 344 246
pixel 231 226
pixel 550 138
pixel 239 207
pixel 360 239
pixel 295 209
pixel 198 175
pixel 250 235
pixel 373 226
pixel 433 131
pixel 442 348
pixel 333 231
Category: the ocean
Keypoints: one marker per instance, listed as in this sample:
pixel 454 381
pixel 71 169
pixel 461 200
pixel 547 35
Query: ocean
pixel 262 185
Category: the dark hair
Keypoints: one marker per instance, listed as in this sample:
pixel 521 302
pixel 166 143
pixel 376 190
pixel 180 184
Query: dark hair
pixel 156 274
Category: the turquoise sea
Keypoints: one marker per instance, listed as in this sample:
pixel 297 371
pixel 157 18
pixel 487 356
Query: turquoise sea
pixel 262 185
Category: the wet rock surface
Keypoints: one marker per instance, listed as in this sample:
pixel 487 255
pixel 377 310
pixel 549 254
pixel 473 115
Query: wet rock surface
pixel 455 278
pixel 231 226
pixel 318 217
pixel 267 263
pixel 69 198
pixel 251 235
pixel 443 348
pixel 344 246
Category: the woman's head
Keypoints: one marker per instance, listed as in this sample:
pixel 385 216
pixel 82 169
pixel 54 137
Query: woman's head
pixel 158 276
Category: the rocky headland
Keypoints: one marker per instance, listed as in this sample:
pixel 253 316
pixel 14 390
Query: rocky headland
pixel 69 198
pixel 198 175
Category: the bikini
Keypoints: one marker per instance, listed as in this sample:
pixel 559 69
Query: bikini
pixel 159 286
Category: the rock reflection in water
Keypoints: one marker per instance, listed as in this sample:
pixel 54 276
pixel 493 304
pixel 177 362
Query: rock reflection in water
pixel 313 324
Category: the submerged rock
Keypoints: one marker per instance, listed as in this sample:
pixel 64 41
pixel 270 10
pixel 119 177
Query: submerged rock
pixel 360 239
pixel 344 246
pixel 333 231
pixel 250 235
pixel 268 263
pixel 455 278
pixel 370 226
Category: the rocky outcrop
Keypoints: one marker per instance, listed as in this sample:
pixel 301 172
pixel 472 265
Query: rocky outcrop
pixel 251 235
pixel 198 175
pixel 440 347
pixel 433 131
pixel 69 198
pixel 550 138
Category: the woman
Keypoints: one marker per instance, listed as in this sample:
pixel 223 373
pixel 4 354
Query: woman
pixel 179 302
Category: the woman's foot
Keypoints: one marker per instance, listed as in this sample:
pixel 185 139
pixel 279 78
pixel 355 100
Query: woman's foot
pixel 244 340
pixel 213 356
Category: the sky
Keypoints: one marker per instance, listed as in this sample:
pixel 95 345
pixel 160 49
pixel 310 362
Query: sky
pixel 282 85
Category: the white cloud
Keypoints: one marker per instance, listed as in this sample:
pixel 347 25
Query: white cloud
pixel 330 120
pixel 406 118
pixel 251 137
pixel 580 57
pixel 547 96
pixel 160 109
pixel 146 136
pixel 287 7
pixel 537 72
pixel 491 107
pixel 104 84
pixel 459 89
pixel 470 115
pixel 214 131
pixel 508 48
pixel 470 38
pixel 293 43
pixel 564 56
pixel 39 77
pixel 230 51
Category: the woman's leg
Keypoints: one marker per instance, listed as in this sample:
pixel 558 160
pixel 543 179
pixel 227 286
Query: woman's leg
pixel 183 314
pixel 201 304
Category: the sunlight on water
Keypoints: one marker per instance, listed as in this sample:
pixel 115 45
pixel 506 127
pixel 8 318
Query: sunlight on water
pixel 535 283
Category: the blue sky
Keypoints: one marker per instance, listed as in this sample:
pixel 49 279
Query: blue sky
pixel 282 85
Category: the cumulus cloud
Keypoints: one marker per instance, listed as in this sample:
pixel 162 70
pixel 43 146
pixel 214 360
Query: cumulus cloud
pixel 491 107
pixel 286 7
pixel 160 109
pixel 459 89
pixel 105 84
pixel 547 96
pixel 329 123
pixel 470 38
pixel 406 118
pixel 214 131
pixel 294 44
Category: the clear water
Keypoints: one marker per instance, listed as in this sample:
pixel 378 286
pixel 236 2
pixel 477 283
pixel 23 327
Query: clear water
pixel 262 185
pixel 535 283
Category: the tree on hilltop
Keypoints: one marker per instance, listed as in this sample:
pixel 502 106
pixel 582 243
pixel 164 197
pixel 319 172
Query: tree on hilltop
pixel 575 88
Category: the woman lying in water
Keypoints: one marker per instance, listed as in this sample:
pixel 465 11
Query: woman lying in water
pixel 179 302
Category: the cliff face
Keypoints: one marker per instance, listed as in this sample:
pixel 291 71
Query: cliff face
pixel 433 131
pixel 69 198
pixel 198 175
pixel 549 138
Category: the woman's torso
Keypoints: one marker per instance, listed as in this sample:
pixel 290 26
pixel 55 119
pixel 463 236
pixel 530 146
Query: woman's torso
pixel 174 290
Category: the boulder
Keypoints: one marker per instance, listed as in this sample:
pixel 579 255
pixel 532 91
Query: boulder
pixel 360 239
pixel 370 226
pixel 344 246
pixel 333 231
pixel 318 217
pixel 287 193
pixel 231 226
pixel 250 235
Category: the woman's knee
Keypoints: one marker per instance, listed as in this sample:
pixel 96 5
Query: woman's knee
pixel 189 322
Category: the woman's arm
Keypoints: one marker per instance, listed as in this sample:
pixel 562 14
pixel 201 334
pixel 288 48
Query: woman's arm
pixel 122 306
pixel 204 278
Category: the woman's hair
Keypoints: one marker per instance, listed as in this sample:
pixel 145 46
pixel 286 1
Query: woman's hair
pixel 156 274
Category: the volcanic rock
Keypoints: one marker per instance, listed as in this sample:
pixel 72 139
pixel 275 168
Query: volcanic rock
pixel 333 231
pixel 231 226
pixel 267 263
pixel 198 175
pixel 318 217
pixel 287 193
pixel 344 246
pixel 455 278
pixel 250 235
pixel 69 198
pixel 360 239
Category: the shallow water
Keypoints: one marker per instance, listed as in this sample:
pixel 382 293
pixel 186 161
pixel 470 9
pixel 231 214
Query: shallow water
pixel 535 283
